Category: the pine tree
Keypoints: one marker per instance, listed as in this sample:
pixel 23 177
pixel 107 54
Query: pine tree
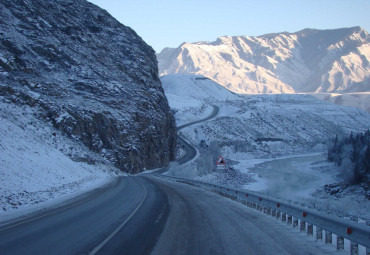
pixel 355 151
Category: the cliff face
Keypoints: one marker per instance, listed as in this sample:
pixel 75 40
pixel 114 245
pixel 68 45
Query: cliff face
pixel 310 60
pixel 89 76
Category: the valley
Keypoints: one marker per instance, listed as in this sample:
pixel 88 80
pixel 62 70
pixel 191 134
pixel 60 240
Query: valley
pixel 107 147
pixel 274 144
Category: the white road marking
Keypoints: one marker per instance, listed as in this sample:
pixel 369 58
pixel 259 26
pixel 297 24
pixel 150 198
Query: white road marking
pixel 106 240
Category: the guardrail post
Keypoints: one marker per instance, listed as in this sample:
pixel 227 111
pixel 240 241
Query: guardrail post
pixel 354 218
pixel 303 225
pixel 259 208
pixel 318 233
pixel 278 213
pixel 265 210
pixel 328 237
pixel 273 212
pixel 290 220
pixel 309 229
pixel 283 217
pixel 354 248
pixel 295 222
pixel 340 243
pixel 269 210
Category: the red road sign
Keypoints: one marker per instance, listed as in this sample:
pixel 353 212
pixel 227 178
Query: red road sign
pixel 220 161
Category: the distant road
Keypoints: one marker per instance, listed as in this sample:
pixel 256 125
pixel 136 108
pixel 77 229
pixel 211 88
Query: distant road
pixel 149 215
pixel 190 151
pixel 214 113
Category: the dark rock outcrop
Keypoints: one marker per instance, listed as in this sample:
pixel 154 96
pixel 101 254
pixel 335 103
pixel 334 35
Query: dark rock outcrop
pixel 89 76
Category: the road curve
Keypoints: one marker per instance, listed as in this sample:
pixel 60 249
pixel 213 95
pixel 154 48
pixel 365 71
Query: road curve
pixel 202 222
pixel 80 229
pixel 214 113
pixel 150 215
pixel 190 151
pixel 125 218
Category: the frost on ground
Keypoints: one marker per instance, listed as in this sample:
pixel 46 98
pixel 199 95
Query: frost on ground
pixel 39 166
pixel 307 180
pixel 274 144
pixel 191 96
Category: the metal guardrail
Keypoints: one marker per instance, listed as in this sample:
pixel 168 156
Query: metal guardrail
pixel 298 216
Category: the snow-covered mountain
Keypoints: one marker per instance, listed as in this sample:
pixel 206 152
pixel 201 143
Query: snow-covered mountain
pixel 88 76
pixel 306 61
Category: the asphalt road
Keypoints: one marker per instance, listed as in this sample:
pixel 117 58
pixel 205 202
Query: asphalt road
pixel 149 215
pixel 133 206
pixel 126 218
pixel 190 150
pixel 202 222
pixel 214 113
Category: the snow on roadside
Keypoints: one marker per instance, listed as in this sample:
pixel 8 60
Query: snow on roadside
pixel 36 168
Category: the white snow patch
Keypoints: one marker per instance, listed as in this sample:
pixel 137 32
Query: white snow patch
pixel 36 168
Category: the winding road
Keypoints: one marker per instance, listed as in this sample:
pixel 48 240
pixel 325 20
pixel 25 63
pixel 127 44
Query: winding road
pixel 149 215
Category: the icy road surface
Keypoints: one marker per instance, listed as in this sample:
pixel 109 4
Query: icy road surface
pixel 149 215
pixel 201 222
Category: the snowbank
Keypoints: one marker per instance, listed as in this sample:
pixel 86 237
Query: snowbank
pixel 36 168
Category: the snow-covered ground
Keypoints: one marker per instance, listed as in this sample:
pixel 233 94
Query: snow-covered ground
pixel 191 103
pixel 36 169
pixel 275 144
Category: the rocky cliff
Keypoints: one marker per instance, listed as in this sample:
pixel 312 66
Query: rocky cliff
pixel 310 60
pixel 88 76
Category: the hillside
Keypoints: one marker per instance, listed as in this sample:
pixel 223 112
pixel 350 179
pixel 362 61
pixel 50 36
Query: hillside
pixel 262 125
pixel 335 61
pixel 39 166
pixel 88 76
pixel 275 144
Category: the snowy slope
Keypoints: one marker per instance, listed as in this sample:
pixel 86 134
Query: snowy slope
pixel 306 61
pixel 269 125
pixel 191 96
pixel 36 167
pixel 196 87
pixel 274 144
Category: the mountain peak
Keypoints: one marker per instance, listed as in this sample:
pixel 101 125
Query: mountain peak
pixel 309 60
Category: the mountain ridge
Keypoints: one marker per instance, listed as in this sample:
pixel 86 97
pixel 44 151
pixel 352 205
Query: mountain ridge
pixel 310 60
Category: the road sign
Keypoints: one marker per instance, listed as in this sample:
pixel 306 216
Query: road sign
pixel 220 161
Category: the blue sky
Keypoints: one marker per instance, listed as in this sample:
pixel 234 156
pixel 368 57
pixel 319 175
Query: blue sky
pixel 168 23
